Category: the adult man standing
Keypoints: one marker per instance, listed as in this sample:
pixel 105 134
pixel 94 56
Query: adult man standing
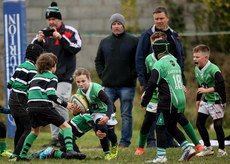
pixel 65 42
pixel 144 48
pixel 115 65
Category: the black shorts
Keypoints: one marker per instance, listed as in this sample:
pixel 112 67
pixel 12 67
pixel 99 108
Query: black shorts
pixel 18 104
pixel 42 116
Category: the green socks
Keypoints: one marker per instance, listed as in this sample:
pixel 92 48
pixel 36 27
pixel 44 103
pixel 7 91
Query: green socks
pixel 185 145
pixel 2 144
pixel 191 133
pixel 68 138
pixel 161 152
pixel 27 144
pixel 142 140
pixel 58 154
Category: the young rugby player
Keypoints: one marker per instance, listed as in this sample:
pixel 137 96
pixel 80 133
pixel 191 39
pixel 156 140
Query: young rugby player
pixel 151 109
pixel 42 93
pixel 101 108
pixel 166 75
pixel 211 85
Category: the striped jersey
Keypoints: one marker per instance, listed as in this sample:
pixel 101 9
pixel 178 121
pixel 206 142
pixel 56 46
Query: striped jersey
pixel 41 86
pixel 22 77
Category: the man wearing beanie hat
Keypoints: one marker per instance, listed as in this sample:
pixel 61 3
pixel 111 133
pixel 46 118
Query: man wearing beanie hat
pixel 19 83
pixel 65 42
pixel 117 18
pixel 115 65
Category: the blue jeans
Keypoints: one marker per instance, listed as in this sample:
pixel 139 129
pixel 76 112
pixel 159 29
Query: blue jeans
pixel 126 96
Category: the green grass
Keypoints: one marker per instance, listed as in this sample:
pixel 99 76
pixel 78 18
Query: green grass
pixel 89 141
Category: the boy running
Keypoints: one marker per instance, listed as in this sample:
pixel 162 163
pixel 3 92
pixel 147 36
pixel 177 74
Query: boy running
pixel 19 84
pixel 151 109
pixel 166 75
pixel 42 93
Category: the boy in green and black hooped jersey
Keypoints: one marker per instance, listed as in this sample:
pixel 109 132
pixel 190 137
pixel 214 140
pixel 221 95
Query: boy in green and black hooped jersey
pixel 211 85
pixel 166 75
pixel 42 94
pixel 19 84
pixel 101 108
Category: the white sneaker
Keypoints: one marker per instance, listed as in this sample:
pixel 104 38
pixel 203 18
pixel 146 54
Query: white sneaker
pixel 206 151
pixel 187 155
pixel 158 159
pixel 221 153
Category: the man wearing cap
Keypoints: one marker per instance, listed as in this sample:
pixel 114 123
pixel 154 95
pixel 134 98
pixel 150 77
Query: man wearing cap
pixel 115 65
pixel 65 42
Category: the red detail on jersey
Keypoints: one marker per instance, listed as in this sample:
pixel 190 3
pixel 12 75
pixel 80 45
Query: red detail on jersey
pixel 57 42
pixel 178 37
pixel 67 34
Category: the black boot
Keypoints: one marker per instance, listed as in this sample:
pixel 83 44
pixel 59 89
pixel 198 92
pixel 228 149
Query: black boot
pixel 70 154
pixel 22 159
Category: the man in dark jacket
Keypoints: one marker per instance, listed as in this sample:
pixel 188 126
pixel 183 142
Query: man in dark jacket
pixel 144 48
pixel 115 65
pixel 65 42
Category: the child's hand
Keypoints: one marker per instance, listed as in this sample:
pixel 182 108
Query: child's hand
pixel 103 120
pixel 205 90
pixel 142 95
pixel 185 89
pixel 76 109
pixel 69 106
pixel 201 90
pixel 100 134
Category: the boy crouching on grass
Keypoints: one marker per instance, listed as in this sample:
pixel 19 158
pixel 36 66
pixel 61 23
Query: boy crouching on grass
pixel 211 84
pixel 42 92
pixel 101 108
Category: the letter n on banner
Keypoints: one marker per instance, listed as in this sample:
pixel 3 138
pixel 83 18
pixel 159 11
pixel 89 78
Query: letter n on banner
pixel 15 42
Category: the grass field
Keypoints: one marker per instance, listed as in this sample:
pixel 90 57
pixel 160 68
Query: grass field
pixel 89 141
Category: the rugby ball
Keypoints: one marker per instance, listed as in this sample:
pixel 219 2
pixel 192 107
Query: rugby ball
pixel 81 101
